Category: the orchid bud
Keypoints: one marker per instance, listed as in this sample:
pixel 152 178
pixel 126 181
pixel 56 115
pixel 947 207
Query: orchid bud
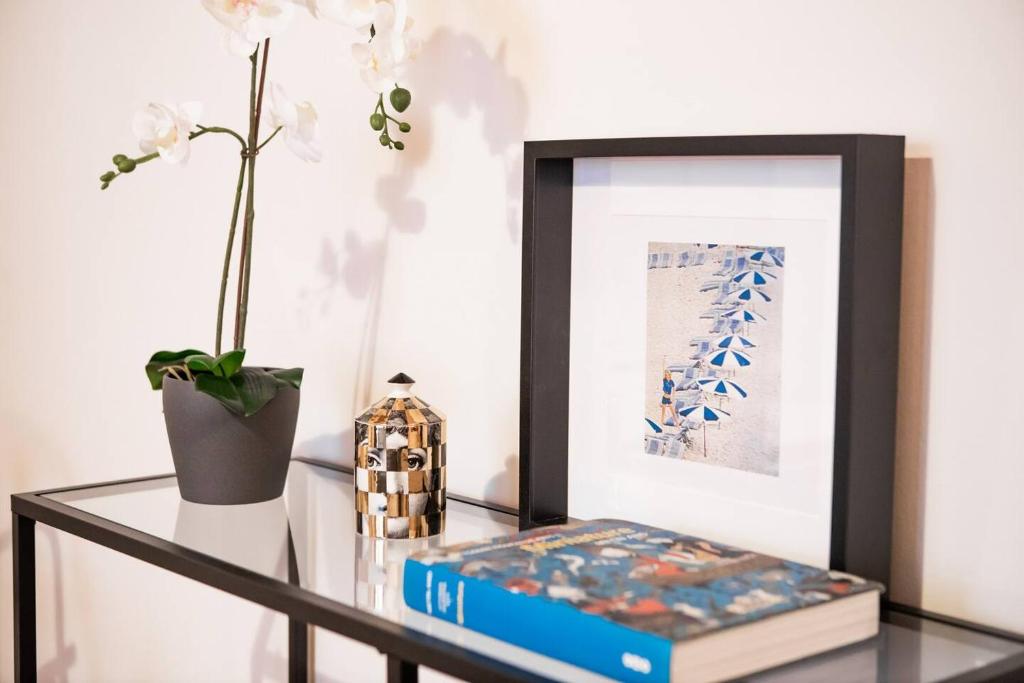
pixel 399 145
pixel 404 127
pixel 126 165
pixel 400 99
pixel 108 176
pixel 376 121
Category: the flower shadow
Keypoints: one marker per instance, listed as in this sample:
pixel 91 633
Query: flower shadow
pixel 474 83
pixel 473 80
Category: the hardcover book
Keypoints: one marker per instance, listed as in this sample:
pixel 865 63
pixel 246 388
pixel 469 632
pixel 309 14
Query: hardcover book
pixel 638 603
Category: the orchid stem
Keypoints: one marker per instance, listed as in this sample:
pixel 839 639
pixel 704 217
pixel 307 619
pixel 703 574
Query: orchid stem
pixel 203 130
pixel 245 225
pixel 255 107
pixel 262 144
pixel 227 257
pixel 218 129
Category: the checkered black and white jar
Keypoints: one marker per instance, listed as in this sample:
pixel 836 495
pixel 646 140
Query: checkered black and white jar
pixel 400 466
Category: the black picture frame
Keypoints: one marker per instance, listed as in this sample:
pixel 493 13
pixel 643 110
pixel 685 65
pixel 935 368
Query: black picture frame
pixel 871 220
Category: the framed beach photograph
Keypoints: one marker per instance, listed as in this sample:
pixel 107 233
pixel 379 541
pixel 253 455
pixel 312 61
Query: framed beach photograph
pixel 710 339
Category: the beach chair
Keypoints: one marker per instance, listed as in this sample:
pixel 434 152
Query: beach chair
pixel 703 349
pixel 728 266
pixel 681 367
pixel 727 288
pixel 722 298
pixel 652 261
pixel 715 312
pixel 710 285
pixel 682 405
pixel 685 369
pixel 654 444
pixel 683 375
pixel 778 252
pixel 674 447
pixel 686 381
pixel 699 258
pixel 665 259
pixel 683 260
pixel 720 324
pixel 688 397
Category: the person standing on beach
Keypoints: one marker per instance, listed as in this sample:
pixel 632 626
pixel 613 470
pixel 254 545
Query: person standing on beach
pixel 667 385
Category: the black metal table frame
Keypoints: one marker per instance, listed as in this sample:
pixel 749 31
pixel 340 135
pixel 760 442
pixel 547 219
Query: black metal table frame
pixel 406 649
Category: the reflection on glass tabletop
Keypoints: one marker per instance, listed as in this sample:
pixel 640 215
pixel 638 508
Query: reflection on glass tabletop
pixel 317 517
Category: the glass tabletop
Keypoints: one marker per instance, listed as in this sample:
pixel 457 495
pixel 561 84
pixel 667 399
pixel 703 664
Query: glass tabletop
pixel 318 513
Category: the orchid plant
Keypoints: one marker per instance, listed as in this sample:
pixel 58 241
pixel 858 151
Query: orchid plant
pixel 166 131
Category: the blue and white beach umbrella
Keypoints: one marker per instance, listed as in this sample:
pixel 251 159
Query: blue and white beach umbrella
pixel 744 315
pixel 765 259
pixel 753 278
pixel 704 414
pixel 654 425
pixel 733 341
pixel 727 359
pixel 749 296
pixel 721 387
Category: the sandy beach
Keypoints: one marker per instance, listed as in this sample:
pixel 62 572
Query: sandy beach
pixel 749 440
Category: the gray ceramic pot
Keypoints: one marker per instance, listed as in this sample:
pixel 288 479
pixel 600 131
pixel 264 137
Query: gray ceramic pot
pixel 224 459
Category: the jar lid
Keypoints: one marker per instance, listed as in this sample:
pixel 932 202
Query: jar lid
pixel 401 407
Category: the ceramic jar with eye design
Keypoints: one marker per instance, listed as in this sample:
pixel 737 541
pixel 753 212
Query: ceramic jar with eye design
pixel 400 465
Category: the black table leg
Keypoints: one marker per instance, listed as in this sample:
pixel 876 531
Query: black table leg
pixel 298 631
pixel 24 543
pixel 298 652
pixel 401 671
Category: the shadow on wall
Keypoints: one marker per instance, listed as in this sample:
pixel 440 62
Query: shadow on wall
pixel 20 474
pixel 505 484
pixel 465 77
pixel 58 667
pixel 912 398
pixel 335 448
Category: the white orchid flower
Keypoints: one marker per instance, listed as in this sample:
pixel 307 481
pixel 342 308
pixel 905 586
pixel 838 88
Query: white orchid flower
pixel 249 22
pixel 376 64
pixel 354 13
pixel 392 23
pixel 299 123
pixel 382 61
pixel 164 129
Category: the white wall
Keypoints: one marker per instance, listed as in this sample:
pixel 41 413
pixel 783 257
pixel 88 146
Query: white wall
pixel 374 262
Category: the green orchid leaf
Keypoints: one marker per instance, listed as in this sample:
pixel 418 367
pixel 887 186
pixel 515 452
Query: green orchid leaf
pixel 201 362
pixel 174 356
pixel 256 387
pixel 223 390
pixel 163 359
pixel 293 376
pixel 227 364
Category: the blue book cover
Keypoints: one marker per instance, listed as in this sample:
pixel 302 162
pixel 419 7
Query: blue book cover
pixel 612 596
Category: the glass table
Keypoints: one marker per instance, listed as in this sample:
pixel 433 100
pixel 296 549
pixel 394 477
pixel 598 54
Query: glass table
pixel 300 555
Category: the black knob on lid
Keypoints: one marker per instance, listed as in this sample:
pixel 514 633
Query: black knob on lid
pixel 401 378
